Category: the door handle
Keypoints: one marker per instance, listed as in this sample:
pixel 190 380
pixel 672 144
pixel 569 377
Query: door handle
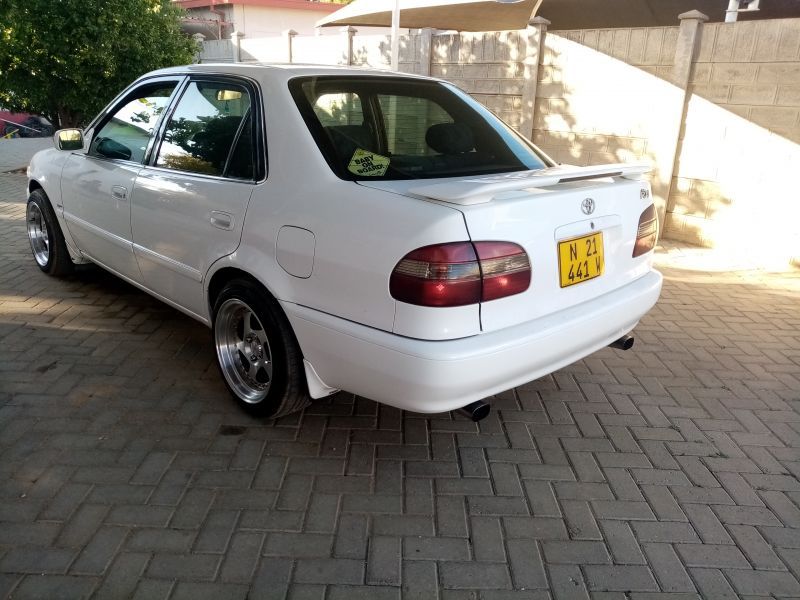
pixel 222 220
pixel 118 192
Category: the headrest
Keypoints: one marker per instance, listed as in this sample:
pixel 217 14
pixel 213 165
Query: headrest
pixel 450 138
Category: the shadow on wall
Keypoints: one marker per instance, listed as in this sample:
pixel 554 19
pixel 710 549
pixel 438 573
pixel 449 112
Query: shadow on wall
pixel 731 188
pixel 735 186
pixel 591 108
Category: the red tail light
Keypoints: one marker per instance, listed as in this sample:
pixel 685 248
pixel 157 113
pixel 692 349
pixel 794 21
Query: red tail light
pixel 647 234
pixel 460 273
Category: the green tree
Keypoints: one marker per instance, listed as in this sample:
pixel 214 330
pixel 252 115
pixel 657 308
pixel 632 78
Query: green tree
pixel 66 59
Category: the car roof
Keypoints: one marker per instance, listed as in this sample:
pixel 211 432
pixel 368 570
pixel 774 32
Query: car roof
pixel 287 71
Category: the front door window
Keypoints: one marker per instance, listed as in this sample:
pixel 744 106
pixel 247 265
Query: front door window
pixel 126 134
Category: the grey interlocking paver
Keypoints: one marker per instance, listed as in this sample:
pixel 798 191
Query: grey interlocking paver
pixel 667 472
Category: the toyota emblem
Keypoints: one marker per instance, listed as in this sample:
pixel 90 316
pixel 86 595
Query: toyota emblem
pixel 587 206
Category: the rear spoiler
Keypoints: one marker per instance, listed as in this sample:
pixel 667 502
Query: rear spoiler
pixel 479 190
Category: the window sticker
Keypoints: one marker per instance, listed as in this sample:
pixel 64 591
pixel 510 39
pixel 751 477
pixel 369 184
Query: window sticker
pixel 368 164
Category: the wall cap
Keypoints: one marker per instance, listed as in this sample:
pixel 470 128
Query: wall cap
pixel 694 15
pixel 537 20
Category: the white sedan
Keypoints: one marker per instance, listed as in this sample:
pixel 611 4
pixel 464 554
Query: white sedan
pixel 346 229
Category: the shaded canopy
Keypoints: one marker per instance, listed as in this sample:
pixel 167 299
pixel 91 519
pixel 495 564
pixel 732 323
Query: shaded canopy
pixel 460 15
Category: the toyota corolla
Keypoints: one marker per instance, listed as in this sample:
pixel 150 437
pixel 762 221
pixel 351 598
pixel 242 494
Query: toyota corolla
pixel 346 229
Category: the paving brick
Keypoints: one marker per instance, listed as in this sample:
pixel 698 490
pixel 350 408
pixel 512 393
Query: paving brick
pixel 271 580
pixel 707 525
pixel 668 568
pixel 567 583
pixel 83 525
pixel 580 521
pixel 576 552
pixel 746 515
pixel 438 548
pixel 763 583
pixel 216 531
pixel 348 592
pixel 474 575
pixel 192 567
pixel 351 537
pixel 527 568
pixel 619 578
pixel 712 556
pixel 209 591
pixel 755 548
pixel 711 583
pixel 241 558
pixel 622 543
pixel 55 587
pixel 123 576
pixel 36 559
pixel 402 525
pixel 497 505
pixel 420 580
pixel 139 516
pixel 99 552
pixel 383 561
pixel 160 540
pixel 329 571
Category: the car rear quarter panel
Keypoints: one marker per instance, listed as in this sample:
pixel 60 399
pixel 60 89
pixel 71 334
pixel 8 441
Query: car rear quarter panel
pixel 359 233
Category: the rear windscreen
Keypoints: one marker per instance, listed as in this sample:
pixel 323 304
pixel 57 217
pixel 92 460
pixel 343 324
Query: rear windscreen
pixel 392 128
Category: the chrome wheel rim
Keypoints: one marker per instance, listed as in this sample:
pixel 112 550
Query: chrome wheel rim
pixel 38 234
pixel 243 351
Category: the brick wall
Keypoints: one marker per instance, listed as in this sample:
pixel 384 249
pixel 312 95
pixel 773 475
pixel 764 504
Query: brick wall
pixel 487 65
pixel 739 148
pixel 617 94
pixel 591 109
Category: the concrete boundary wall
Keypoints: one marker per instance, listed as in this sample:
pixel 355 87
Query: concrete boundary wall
pixel 714 107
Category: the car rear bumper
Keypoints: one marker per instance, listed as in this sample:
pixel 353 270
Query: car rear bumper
pixel 438 376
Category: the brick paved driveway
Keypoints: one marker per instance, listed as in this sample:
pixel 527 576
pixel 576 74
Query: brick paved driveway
pixel 125 471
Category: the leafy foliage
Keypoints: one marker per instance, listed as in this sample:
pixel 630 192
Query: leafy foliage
pixel 66 59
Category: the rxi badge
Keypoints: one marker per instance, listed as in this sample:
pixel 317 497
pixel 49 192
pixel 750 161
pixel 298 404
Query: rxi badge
pixel 587 206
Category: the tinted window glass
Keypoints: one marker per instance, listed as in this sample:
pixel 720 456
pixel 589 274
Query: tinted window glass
pixel 408 119
pixel 126 133
pixel 393 128
pixel 240 165
pixel 338 109
pixel 202 130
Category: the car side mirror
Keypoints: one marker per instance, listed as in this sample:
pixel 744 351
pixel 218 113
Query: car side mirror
pixel 69 139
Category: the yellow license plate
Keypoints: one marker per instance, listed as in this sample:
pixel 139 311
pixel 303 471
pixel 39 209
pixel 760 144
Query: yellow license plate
pixel 580 259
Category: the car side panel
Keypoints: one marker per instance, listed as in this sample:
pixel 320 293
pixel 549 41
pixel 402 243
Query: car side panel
pixel 183 223
pixel 359 236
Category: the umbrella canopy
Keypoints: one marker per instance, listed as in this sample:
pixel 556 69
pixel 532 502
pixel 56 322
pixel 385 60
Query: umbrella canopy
pixel 461 15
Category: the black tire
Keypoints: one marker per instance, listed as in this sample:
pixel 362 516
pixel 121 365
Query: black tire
pixel 257 353
pixel 45 236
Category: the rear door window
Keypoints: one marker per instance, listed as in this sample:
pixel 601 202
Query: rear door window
pixel 210 131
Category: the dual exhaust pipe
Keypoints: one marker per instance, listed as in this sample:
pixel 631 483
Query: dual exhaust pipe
pixel 479 409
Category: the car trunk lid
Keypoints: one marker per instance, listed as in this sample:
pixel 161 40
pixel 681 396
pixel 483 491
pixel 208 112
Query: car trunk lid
pixel 566 218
